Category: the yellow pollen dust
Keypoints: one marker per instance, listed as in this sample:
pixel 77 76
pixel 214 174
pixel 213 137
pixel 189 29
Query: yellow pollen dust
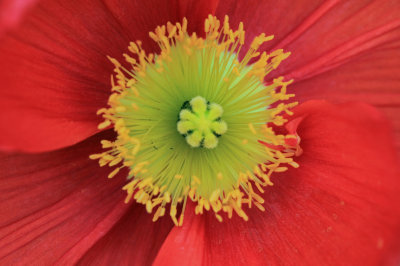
pixel 156 178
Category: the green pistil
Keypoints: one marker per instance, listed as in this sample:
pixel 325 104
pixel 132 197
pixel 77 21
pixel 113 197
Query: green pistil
pixel 200 122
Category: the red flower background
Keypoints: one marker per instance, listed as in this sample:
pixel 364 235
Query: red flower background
pixel 341 207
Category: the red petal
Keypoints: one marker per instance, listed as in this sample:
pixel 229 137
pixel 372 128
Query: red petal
pixel 187 244
pixel 11 11
pixel 54 70
pixel 197 12
pixel 278 18
pixel 345 31
pixel 134 240
pixel 371 78
pixel 320 35
pixel 339 208
pixel 54 206
pixel 325 35
pixel 351 53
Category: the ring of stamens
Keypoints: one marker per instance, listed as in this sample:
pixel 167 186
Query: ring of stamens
pixel 230 166
pixel 200 123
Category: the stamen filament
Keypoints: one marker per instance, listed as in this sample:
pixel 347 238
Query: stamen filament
pixel 206 90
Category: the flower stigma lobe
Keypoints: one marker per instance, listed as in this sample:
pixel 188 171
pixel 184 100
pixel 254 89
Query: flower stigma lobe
pixel 201 123
pixel 194 121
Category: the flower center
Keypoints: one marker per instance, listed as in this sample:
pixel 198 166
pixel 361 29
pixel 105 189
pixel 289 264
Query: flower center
pixel 200 123
pixel 194 122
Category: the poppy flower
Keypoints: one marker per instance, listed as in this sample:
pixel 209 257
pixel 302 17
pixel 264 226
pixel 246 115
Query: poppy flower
pixel 339 207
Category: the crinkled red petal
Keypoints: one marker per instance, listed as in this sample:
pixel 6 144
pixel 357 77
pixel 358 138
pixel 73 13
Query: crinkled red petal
pixel 340 207
pixel 54 206
pixel 371 78
pixel 134 240
pixel 54 71
pixel 11 13
pixel 340 50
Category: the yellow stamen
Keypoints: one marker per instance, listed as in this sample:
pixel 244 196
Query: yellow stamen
pixel 154 179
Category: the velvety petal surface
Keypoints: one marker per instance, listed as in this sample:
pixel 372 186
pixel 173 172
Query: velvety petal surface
pixel 341 50
pixel 372 78
pixel 320 34
pixel 134 240
pixel 11 12
pixel 54 206
pixel 187 245
pixel 339 208
pixel 54 70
